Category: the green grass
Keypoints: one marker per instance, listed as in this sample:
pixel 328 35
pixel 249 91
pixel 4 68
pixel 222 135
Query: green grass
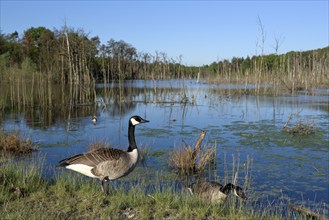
pixel 24 194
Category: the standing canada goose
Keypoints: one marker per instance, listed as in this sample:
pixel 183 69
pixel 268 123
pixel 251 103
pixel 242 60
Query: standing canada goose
pixel 107 163
pixel 94 119
pixel 215 192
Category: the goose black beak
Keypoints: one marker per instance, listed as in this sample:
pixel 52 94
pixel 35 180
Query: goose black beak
pixel 144 121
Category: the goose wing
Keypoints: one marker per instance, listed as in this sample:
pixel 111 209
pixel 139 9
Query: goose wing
pixel 93 158
pixel 214 184
pixel 205 186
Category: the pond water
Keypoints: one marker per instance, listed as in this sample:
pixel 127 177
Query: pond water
pixel 293 169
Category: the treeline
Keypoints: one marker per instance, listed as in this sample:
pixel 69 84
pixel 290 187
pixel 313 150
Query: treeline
pixel 273 62
pixel 72 56
pixel 69 56
pixel 294 70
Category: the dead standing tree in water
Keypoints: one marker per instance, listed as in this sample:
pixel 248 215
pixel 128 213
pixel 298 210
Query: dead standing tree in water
pixel 78 57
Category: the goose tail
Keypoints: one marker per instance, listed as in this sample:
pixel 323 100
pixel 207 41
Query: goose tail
pixel 62 163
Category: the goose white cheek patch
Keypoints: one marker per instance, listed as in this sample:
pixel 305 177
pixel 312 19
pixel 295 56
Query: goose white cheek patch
pixel 134 122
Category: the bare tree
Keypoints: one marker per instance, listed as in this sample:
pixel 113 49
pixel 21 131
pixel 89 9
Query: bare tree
pixel 278 40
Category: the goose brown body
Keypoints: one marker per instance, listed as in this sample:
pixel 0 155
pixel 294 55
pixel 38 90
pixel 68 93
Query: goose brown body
pixel 97 163
pixel 214 191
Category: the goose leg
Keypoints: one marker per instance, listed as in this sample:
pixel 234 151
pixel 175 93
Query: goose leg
pixel 105 186
pixel 101 184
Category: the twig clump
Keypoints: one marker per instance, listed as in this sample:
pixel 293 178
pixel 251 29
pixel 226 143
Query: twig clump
pixel 300 128
pixel 13 144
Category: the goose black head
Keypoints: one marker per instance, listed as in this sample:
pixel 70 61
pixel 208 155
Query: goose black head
pixel 136 120
pixel 237 190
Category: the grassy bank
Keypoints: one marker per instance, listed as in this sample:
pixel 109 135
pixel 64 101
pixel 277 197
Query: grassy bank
pixel 24 194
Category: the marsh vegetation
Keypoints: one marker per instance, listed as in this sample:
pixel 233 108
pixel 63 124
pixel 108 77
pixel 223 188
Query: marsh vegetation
pixel 14 144
pixel 53 82
pixel 243 144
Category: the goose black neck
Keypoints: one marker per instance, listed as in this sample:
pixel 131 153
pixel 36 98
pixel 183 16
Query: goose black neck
pixel 227 188
pixel 131 138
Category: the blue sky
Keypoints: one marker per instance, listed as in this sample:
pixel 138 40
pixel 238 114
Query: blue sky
pixel 201 31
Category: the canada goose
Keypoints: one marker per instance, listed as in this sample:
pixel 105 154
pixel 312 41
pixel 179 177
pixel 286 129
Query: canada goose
pixel 107 163
pixel 94 119
pixel 215 192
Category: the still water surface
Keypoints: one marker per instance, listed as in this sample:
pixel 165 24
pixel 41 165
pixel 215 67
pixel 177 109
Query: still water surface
pixel 284 167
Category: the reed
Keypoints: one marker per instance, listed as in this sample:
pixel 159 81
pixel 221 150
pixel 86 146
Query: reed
pixel 232 171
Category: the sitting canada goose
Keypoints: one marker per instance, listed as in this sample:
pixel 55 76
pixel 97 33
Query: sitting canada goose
pixel 94 119
pixel 215 192
pixel 107 163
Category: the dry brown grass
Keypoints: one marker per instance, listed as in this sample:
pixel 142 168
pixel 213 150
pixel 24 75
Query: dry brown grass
pixel 191 160
pixel 14 144
pixel 181 160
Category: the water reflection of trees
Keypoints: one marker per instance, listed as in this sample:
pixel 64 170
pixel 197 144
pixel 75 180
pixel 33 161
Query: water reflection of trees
pixel 42 107
pixel 312 100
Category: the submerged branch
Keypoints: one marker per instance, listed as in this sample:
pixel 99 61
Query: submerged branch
pixel 306 212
